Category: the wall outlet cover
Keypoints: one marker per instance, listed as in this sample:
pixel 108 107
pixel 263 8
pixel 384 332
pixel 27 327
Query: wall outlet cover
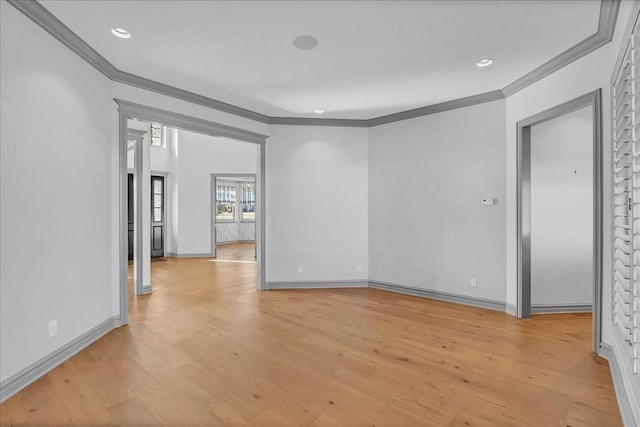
pixel 53 328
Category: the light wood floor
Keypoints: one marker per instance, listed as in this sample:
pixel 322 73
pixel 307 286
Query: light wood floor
pixel 237 251
pixel 207 349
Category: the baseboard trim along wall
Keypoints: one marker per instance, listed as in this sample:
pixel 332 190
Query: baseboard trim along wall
pixel 561 308
pixel 231 242
pixel 441 296
pixel 319 284
pixel 512 310
pixel 200 255
pixel 17 382
pixel 624 404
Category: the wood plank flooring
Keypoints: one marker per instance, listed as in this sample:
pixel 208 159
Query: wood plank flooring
pixel 207 349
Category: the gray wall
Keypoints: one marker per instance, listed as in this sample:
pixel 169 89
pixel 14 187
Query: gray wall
pixel 562 210
pixel 427 176
pixel 316 203
pixel 55 194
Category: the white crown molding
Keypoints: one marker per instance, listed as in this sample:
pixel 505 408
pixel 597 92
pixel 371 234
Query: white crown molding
pixel 316 121
pixel 438 108
pixel 606 28
pixel 50 23
pixel 154 86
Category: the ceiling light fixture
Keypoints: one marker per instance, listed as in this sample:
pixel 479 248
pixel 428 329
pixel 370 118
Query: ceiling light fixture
pixel 318 111
pixel 122 33
pixel 305 42
pixel 484 62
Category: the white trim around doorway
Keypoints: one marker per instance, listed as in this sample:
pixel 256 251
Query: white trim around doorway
pixel 131 110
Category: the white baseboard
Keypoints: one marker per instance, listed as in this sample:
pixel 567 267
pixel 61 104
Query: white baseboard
pixel 231 242
pixel 511 309
pixel 561 308
pixel 17 382
pixel 551 308
pixel 319 284
pixel 438 295
pixel 624 403
pixel 194 255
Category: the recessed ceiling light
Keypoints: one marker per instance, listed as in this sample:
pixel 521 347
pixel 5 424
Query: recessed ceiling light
pixel 318 111
pixel 305 42
pixel 122 33
pixel 484 62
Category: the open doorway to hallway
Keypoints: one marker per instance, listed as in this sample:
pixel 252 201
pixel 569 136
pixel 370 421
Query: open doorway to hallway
pixel 184 234
pixel 560 212
pixel 562 222
pixel 169 227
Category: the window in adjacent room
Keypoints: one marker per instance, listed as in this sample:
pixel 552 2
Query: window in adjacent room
pixel 225 201
pixel 248 202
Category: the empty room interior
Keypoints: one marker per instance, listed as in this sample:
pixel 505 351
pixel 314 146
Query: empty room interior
pixel 320 213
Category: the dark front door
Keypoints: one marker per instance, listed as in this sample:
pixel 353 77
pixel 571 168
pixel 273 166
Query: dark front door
pixel 130 214
pixel 157 216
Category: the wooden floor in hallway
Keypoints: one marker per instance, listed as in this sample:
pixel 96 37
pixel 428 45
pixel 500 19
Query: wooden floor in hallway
pixel 206 348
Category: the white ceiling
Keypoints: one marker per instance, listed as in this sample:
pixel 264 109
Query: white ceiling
pixel 373 57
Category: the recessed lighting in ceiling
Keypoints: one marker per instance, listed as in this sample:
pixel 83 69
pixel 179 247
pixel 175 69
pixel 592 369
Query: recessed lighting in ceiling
pixel 318 111
pixel 122 33
pixel 305 42
pixel 484 62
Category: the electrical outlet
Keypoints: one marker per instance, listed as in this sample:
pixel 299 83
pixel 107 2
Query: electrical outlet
pixel 300 269
pixel 53 328
pixel 474 282
pixel 359 268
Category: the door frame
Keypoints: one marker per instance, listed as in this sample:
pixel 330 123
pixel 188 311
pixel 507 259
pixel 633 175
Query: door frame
pixel 523 307
pixel 128 110
pixel 212 222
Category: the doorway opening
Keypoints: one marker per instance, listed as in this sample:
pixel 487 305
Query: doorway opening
pixel 233 216
pixel 155 218
pixel 524 205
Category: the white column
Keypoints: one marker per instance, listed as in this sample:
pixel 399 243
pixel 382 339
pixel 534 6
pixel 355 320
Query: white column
pixel 145 208
pixel 172 194
pixel 142 217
